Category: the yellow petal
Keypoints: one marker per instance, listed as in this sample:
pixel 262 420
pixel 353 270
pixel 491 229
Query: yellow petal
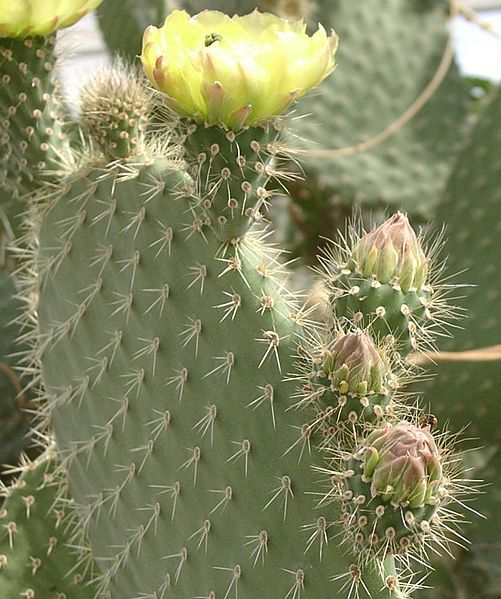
pixel 238 71
pixel 20 18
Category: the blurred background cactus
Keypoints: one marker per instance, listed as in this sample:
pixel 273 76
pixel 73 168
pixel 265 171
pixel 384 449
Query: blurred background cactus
pixel 276 428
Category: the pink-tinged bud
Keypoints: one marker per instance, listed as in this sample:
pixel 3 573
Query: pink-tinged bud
pixel 392 251
pixel 354 364
pixel 403 464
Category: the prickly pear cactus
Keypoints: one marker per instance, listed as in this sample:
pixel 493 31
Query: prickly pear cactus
pixel 30 112
pixel 184 343
pixel 213 439
pixel 14 421
pixel 379 77
pixel 471 210
pixel 40 554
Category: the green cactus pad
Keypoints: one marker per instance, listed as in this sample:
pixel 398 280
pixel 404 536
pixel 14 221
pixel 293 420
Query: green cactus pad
pixel 14 422
pixel 466 390
pixel 186 463
pixel 123 23
pixel 232 171
pixel 30 113
pixel 40 556
pixel 389 52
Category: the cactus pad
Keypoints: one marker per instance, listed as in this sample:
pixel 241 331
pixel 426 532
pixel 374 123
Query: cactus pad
pixel 172 416
pixel 388 54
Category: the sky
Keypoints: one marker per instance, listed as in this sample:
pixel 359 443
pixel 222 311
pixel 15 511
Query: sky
pixel 479 53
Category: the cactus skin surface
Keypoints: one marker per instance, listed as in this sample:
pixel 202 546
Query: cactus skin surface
pixel 409 169
pixel 14 421
pixel 185 462
pixel 466 390
pixel 38 554
pixel 31 133
pixel 385 307
pixel 233 172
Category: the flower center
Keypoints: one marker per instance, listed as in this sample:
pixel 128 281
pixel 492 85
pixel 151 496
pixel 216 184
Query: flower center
pixel 211 38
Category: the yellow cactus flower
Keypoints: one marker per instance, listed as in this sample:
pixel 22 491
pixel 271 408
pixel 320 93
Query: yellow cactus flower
pixel 237 71
pixel 23 18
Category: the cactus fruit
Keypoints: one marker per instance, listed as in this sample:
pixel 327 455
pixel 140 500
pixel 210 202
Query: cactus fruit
pixel 403 464
pixel 354 365
pixel 31 112
pixel 349 380
pixel 396 492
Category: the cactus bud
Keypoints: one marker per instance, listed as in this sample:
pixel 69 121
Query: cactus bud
pixel 395 489
pixel 349 380
pixel 403 463
pixel 392 251
pixel 115 109
pixel 23 18
pixel 355 363
pixel 236 71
